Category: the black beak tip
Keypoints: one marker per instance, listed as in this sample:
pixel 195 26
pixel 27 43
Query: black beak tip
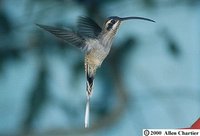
pixel 153 21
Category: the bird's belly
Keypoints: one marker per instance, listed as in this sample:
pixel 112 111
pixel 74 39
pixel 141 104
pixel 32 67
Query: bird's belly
pixel 96 57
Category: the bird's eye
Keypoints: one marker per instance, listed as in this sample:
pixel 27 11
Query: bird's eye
pixel 109 26
pixel 113 21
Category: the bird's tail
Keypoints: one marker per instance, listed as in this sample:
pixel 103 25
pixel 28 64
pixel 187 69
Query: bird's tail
pixel 90 72
pixel 89 89
pixel 87 112
pixel 89 84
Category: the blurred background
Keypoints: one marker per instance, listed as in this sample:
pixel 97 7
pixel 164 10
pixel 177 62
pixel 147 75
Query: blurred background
pixel 149 80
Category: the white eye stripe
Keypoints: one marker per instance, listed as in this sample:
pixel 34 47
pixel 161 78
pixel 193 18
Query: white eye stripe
pixel 109 21
pixel 112 21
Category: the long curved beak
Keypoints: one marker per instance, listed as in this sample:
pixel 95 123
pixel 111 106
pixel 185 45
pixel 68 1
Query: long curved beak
pixel 140 18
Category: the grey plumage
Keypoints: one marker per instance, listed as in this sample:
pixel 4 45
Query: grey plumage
pixel 94 41
pixel 88 28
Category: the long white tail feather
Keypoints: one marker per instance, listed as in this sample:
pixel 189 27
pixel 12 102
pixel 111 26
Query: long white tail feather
pixel 90 72
pixel 87 112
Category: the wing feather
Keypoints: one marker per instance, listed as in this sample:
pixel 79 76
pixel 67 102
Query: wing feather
pixel 88 28
pixel 67 35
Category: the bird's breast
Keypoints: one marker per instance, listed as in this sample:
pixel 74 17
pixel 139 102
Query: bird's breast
pixel 95 57
pixel 97 52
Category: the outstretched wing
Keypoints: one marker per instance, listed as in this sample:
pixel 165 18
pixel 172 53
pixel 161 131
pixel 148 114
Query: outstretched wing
pixel 67 35
pixel 88 28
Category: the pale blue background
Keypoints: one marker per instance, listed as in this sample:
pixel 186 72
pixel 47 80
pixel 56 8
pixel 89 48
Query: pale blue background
pixel 163 90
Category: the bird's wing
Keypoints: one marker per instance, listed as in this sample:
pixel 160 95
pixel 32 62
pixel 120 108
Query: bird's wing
pixel 88 28
pixel 67 35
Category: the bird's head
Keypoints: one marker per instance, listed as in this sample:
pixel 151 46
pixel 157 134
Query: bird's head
pixel 112 23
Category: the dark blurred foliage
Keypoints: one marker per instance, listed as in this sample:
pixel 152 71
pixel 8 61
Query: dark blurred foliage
pixel 156 3
pixel 172 45
pixel 5 23
pixel 149 3
pixel 38 42
pixel 37 98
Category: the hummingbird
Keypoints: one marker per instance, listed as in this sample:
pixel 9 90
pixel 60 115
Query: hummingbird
pixel 94 41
